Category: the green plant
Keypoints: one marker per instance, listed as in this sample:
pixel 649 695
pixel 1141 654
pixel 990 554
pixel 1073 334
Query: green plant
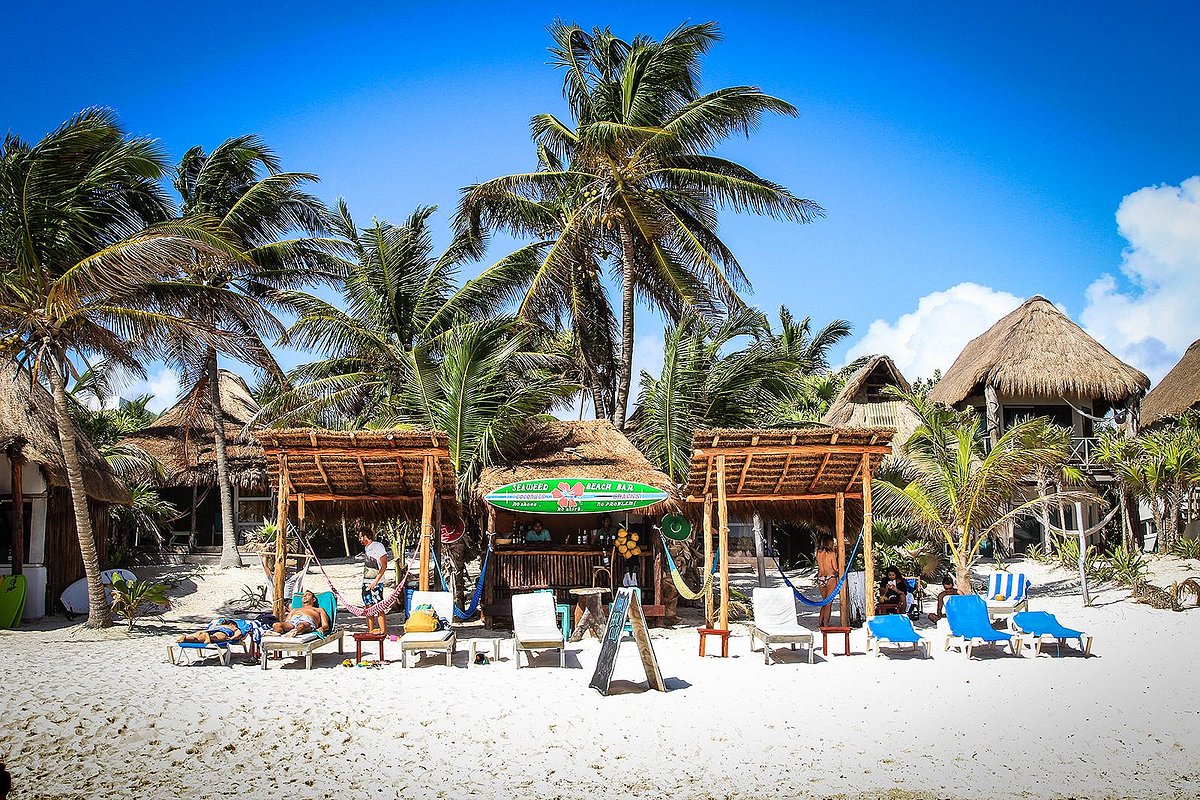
pixel 1185 548
pixel 252 598
pixel 1126 566
pixel 137 598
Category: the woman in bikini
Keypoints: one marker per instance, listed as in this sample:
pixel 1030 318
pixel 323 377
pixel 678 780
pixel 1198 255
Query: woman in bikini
pixel 827 571
pixel 307 618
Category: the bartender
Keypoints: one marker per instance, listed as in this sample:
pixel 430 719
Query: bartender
pixel 537 533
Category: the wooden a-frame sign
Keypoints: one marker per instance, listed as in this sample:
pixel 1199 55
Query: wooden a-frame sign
pixel 626 606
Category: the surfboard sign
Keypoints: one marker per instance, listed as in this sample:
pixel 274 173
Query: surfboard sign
pixel 575 496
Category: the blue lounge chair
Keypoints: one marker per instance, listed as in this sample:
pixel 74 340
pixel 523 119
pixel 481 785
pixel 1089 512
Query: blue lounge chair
pixel 894 629
pixel 967 615
pixel 1039 624
pixel 181 653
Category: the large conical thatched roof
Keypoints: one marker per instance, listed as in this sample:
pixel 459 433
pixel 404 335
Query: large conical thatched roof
pixel 548 449
pixel 28 427
pixel 1037 350
pixel 1177 392
pixel 865 386
pixel 182 438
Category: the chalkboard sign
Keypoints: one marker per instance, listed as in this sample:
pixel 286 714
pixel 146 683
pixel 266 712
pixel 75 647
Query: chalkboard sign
pixel 625 607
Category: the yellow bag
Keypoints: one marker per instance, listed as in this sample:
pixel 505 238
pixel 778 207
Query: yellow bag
pixel 421 620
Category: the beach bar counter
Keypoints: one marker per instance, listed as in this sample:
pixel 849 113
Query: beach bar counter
pixel 556 511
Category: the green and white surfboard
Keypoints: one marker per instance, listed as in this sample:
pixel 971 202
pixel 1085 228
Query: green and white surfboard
pixel 575 496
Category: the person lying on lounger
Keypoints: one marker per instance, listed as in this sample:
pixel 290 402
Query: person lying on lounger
pixel 307 618
pixel 221 629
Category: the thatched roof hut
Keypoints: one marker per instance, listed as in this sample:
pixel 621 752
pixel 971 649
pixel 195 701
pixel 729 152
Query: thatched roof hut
pixel 1177 392
pixel 1038 351
pixel 29 429
pixel 547 449
pixel 182 438
pixel 862 402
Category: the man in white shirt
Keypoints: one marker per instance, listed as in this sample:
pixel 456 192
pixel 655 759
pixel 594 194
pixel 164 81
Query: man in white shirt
pixel 375 564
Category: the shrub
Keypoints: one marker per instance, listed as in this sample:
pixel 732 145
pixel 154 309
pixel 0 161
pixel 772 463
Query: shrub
pixel 1126 566
pixel 137 598
pixel 1185 548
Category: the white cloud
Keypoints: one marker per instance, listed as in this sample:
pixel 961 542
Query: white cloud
pixel 163 384
pixel 932 336
pixel 1150 318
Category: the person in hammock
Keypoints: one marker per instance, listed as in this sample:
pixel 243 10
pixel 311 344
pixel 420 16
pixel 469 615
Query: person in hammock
pixel 827 573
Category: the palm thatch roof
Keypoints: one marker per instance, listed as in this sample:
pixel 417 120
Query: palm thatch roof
pixel 1037 350
pixel 182 438
pixel 1178 391
pixel 862 402
pixel 29 429
pixel 551 449
pixel 787 475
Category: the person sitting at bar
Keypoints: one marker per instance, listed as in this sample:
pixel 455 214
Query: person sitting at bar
pixel 537 533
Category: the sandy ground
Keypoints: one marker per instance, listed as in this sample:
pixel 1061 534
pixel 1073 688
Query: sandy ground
pixel 90 713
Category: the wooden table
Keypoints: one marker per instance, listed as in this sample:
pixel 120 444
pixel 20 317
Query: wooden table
pixel 834 629
pixel 361 637
pixel 589 613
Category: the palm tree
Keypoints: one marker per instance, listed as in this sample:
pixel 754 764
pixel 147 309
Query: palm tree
pixel 704 384
pixel 90 268
pixel 954 489
pixel 638 184
pixel 278 228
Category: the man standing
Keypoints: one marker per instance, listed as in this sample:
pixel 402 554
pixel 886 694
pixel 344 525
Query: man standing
pixel 375 564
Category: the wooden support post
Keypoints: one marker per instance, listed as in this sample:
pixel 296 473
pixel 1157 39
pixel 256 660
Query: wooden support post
pixel 706 570
pixel 1083 577
pixel 491 519
pixel 723 542
pixel 992 411
pixel 18 515
pixel 345 536
pixel 281 520
pixel 759 550
pixel 839 520
pixel 426 521
pixel 192 524
pixel 868 535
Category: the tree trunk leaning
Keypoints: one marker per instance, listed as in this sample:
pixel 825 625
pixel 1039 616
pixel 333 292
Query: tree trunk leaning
pixel 229 552
pixel 99 612
pixel 625 378
pixel 1083 579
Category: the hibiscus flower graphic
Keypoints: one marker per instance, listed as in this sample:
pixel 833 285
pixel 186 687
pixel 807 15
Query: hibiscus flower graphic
pixel 566 495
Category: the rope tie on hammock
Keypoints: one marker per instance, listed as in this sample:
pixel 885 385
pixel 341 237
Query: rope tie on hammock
pixel 837 588
pixel 373 610
pixel 677 578
pixel 473 606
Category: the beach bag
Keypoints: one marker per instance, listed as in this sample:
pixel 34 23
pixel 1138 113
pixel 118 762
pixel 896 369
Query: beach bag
pixel 423 619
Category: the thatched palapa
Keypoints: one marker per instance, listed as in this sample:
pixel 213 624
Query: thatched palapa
pixel 182 438
pixel 863 403
pixel 29 430
pixel 551 449
pixel 1177 392
pixel 1037 350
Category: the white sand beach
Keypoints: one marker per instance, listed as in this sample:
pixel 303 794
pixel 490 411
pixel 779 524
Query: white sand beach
pixel 90 713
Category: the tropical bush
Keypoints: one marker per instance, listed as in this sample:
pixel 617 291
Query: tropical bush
pixel 137 598
pixel 1185 548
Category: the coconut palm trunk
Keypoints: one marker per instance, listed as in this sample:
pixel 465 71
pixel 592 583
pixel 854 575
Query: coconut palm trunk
pixel 229 552
pixel 625 377
pixel 99 613
pixel 962 565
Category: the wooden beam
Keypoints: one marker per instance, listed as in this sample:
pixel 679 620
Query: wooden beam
pixel 820 471
pixel 787 462
pixel 363 471
pixel 426 521
pixel 839 522
pixel 745 469
pixel 766 498
pixel 868 535
pixel 333 497
pixel 723 542
pixel 857 470
pixel 321 469
pixel 281 519
pixel 707 570
pixel 18 514
pixel 371 452
pixel 708 475
pixel 783 449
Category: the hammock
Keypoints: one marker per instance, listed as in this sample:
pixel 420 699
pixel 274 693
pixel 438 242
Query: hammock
pixel 477 596
pixel 373 610
pixel 684 591
pixel 837 588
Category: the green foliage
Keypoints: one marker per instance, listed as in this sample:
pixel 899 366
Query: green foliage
pixel 921 387
pixel 137 598
pixel 1185 548
pixel 1126 566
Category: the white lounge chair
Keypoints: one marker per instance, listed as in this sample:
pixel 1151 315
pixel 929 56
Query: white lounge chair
pixel 775 622
pixel 1013 587
pixel 306 644
pixel 435 641
pixel 535 626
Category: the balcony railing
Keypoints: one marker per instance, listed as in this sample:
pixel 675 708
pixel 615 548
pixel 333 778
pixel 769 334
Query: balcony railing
pixel 1083 453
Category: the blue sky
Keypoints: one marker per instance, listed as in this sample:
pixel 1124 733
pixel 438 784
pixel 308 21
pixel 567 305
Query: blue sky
pixel 968 156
